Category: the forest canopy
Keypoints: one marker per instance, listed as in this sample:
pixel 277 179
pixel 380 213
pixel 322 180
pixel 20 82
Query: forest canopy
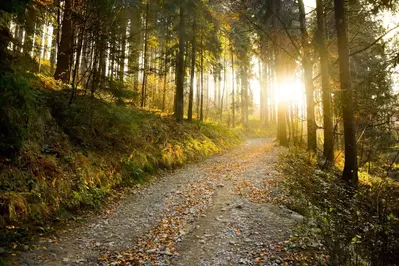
pixel 89 76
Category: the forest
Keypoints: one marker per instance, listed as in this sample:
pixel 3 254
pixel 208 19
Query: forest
pixel 286 109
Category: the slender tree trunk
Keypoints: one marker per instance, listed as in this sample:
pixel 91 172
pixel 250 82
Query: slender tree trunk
pixel 62 71
pixel 39 43
pixel 54 46
pixel 350 173
pixel 144 85
pixel 192 74
pixel 328 147
pixel 123 47
pixel 101 72
pixel 165 77
pixel 179 97
pixel 263 92
pixel 30 29
pixel 272 94
pixel 224 87
pixel 202 81
pixel 198 94
pixel 111 58
pixel 55 39
pixel 233 104
pixel 77 63
pixel 20 38
pixel 244 95
pixel 282 105
pixel 15 44
pixel 215 91
pixel 308 77
pixel 134 44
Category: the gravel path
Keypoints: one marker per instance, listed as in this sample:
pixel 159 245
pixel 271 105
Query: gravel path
pixel 216 212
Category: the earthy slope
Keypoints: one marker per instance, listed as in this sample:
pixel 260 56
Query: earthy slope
pixel 74 156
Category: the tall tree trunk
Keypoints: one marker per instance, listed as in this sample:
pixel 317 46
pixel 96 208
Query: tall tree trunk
pixel 30 29
pixel 55 39
pixel 165 74
pixel 282 104
pixel 202 81
pixel 53 52
pixel 111 58
pixel 77 62
pixel 244 95
pixel 224 87
pixel 308 77
pixel 134 43
pixel 123 46
pixel 62 71
pixel 101 53
pixel 350 173
pixel 328 147
pixel 272 73
pixel 263 87
pixel 144 85
pixel 180 73
pixel 198 94
pixel 192 74
pixel 233 104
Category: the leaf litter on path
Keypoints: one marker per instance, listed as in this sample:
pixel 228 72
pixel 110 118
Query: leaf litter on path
pixel 216 212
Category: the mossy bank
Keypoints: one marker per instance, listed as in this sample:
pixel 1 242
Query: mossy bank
pixel 72 156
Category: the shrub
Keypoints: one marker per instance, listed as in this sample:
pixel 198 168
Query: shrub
pixel 355 227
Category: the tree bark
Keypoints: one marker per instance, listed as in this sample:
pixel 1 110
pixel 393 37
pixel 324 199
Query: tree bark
pixel 202 81
pixel 192 74
pixel 180 73
pixel 79 47
pixel 165 74
pixel 30 29
pixel 282 104
pixel 350 173
pixel 328 147
pixel 308 77
pixel 62 71
pixel 244 95
pixel 134 43
pixel 144 85
pixel 123 47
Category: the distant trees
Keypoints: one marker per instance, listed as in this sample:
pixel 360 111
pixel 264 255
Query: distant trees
pixel 314 44
pixel 202 59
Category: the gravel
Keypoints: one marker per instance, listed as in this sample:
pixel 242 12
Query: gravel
pixel 227 231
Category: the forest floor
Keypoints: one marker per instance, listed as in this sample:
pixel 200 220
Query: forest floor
pixel 217 212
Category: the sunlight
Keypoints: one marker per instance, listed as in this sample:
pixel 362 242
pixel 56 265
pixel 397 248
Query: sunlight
pixel 291 91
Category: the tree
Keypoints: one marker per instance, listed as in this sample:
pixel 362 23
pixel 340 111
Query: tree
pixel 328 146
pixel 192 74
pixel 62 71
pixel 308 77
pixel 180 68
pixel 350 173
pixel 146 36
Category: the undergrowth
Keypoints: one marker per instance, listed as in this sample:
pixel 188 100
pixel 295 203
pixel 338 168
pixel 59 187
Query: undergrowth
pixel 352 227
pixel 68 157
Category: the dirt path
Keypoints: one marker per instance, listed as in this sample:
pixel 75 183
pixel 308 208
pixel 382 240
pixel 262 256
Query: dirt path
pixel 213 213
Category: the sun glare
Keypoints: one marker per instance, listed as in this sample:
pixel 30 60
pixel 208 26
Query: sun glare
pixel 291 91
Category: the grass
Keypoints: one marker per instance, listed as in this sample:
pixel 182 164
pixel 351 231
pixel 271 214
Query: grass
pixel 75 156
